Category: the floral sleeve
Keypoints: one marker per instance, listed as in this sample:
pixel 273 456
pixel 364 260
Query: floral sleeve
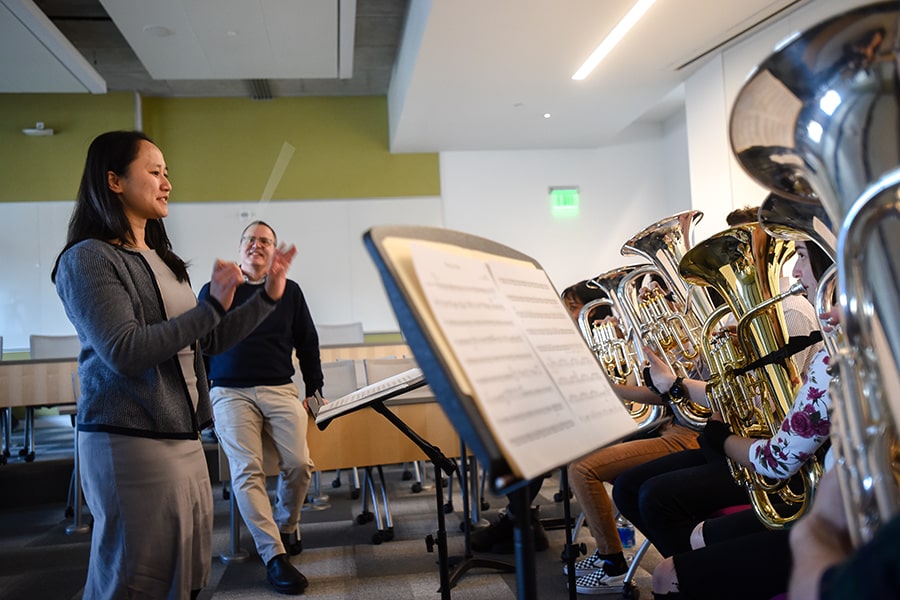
pixel 803 430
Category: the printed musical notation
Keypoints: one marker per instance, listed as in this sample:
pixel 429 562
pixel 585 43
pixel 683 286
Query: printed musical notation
pixel 538 385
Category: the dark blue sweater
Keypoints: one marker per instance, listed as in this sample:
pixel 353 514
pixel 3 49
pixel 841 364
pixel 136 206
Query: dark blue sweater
pixel 265 356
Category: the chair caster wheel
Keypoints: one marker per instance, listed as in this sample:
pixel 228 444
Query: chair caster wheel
pixel 376 538
pixel 448 508
pixel 416 487
pixel 366 517
pixel 354 494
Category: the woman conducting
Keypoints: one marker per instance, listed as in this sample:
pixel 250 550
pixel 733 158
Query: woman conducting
pixel 144 395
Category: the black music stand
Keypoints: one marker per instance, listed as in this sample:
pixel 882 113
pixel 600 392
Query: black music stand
pixel 389 247
pixel 441 463
pixel 468 560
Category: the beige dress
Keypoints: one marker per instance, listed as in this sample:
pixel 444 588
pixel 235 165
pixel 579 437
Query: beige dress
pixel 151 499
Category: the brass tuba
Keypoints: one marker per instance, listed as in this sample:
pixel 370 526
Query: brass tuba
pixel 618 348
pixel 817 122
pixel 674 334
pixel 743 264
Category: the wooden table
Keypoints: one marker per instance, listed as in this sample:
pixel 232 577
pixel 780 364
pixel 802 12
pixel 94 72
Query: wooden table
pixel 31 383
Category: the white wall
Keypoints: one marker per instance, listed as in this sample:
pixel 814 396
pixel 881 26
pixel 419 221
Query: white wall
pixel 333 267
pixel 718 182
pixel 504 196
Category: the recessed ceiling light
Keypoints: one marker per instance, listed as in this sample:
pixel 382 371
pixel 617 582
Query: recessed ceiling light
pixel 547 115
pixel 158 31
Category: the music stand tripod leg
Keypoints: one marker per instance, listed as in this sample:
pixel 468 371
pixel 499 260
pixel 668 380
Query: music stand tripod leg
pixel 441 463
pixel 526 579
pixel 570 534
pixel 468 561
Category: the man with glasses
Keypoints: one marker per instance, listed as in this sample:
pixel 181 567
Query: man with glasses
pixel 252 393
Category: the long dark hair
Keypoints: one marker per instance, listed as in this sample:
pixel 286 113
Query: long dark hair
pixel 819 261
pixel 98 212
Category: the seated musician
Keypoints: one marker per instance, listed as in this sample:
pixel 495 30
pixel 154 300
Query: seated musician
pixel 498 537
pixel 824 565
pixel 669 499
pixel 606 567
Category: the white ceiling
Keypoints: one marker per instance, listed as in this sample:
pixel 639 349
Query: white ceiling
pixel 469 74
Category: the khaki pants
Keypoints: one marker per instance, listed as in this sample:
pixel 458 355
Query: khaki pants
pixel 242 415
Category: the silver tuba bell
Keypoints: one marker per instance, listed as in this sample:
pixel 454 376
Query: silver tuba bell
pixel 818 122
pixel 618 346
pixel 675 335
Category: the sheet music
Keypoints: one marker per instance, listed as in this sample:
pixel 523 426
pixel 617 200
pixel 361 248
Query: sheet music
pixel 379 390
pixel 539 385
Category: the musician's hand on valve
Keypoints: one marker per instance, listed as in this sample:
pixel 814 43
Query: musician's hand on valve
pixel 661 375
pixel 648 290
pixel 830 319
pixel 609 321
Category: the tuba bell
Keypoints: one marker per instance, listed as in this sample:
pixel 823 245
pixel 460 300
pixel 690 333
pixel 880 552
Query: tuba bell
pixel 817 122
pixel 743 264
pixel 618 347
pixel 674 334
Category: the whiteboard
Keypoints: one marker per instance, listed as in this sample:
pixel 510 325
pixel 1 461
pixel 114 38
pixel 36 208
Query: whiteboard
pixel 332 266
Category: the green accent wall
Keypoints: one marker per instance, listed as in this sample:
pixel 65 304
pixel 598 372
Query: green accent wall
pixel 217 149
pixel 49 168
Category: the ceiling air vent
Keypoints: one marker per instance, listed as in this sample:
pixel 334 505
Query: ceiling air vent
pixel 259 89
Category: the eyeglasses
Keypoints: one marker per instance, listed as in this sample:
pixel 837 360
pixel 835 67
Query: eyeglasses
pixel 259 241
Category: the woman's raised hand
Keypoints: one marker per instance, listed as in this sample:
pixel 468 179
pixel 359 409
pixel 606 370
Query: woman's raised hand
pixel 226 277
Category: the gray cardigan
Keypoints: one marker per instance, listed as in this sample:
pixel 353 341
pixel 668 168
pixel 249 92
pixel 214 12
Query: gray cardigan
pixel 131 381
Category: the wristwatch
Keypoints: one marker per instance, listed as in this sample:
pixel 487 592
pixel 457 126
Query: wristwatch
pixel 677 390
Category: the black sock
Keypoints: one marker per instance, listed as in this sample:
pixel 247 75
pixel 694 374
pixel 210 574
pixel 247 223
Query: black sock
pixel 616 563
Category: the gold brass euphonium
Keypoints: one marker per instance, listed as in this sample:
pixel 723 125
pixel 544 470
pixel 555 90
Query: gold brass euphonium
pixel 618 347
pixel 817 122
pixel 743 264
pixel 673 333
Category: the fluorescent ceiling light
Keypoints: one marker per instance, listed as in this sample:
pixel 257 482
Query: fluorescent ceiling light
pixel 615 36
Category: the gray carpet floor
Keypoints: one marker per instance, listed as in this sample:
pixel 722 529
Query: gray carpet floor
pixel 39 559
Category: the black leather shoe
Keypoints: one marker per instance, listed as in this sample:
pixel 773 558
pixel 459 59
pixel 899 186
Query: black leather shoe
pixel 292 545
pixel 500 538
pixel 284 577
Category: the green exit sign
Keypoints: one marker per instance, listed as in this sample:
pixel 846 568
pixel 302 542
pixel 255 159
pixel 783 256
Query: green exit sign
pixel 565 201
